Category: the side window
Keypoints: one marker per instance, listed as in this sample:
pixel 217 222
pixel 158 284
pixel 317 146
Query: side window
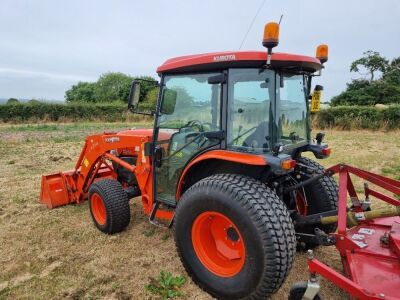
pixel 197 103
pixel 182 129
pixel 249 99
pixel 292 109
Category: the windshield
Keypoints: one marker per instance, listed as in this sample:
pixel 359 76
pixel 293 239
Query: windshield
pixel 249 98
pixel 291 109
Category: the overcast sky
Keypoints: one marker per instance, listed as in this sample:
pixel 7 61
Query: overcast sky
pixel 46 46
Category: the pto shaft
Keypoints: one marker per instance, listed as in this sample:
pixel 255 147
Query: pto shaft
pixel 354 218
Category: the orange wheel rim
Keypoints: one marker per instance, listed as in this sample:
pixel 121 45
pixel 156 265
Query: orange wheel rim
pixel 218 244
pixel 98 209
pixel 301 203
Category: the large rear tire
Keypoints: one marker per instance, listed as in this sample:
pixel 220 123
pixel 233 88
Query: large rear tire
pixel 321 196
pixel 109 206
pixel 235 237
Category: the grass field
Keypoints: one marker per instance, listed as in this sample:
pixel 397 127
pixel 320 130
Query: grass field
pixel 53 254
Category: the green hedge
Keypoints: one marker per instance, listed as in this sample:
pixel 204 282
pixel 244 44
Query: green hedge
pixel 53 112
pixel 358 117
pixel 343 117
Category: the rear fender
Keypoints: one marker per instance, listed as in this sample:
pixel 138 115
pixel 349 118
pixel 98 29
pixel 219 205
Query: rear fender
pixel 220 161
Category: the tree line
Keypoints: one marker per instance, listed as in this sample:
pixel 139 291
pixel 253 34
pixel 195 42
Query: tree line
pixel 379 82
pixel 110 87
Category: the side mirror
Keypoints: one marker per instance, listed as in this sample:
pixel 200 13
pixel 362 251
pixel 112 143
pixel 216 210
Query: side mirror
pixel 169 101
pixel 134 94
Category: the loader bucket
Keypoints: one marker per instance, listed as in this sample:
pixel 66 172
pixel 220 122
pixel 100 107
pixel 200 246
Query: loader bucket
pixel 54 191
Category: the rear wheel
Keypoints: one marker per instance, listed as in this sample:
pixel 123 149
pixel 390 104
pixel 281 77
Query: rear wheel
pixel 109 206
pixel 234 237
pixel 319 196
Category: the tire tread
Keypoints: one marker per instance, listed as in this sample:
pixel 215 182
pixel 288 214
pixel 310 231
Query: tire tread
pixel 269 215
pixel 117 204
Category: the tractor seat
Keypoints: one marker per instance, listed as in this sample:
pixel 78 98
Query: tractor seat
pixel 259 138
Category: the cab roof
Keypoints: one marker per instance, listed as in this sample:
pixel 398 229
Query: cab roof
pixel 231 59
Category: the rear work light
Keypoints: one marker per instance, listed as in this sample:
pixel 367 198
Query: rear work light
pixel 326 151
pixel 288 164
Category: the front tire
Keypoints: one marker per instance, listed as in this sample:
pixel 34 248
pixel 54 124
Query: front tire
pixel 109 206
pixel 234 237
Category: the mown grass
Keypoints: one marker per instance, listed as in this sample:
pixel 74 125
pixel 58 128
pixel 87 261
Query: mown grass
pixel 392 170
pixel 92 265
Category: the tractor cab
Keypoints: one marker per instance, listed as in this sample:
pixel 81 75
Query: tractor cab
pixel 247 104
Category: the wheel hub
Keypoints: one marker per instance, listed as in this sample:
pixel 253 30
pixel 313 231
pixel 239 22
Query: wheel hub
pixel 218 244
pixel 98 209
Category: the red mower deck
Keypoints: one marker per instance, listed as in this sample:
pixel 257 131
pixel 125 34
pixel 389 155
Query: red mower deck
pixel 370 251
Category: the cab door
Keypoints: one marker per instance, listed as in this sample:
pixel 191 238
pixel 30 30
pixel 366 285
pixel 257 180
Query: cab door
pixel 183 127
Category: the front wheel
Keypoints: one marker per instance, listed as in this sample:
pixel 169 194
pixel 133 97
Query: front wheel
pixel 109 206
pixel 234 237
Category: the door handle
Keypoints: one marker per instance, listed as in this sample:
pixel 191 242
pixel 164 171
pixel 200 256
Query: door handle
pixel 158 155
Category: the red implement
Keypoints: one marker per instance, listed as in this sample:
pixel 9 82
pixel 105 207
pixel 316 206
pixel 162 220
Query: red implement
pixel 370 251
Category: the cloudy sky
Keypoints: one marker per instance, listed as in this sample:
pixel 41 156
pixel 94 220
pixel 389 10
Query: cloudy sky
pixel 46 45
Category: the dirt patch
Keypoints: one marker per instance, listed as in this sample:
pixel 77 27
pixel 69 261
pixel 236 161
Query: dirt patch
pixel 50 268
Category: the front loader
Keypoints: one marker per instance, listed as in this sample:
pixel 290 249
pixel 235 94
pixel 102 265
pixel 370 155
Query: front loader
pixel 223 164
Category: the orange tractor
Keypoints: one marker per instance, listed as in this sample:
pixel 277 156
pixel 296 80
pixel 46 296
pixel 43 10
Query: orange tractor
pixel 223 165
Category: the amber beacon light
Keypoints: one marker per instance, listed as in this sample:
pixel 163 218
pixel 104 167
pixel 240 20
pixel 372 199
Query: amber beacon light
pixel 271 38
pixel 322 53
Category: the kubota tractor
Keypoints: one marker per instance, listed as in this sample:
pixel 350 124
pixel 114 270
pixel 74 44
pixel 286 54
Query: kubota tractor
pixel 223 164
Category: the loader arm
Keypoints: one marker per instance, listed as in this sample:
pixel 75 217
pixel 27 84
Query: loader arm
pixel 72 186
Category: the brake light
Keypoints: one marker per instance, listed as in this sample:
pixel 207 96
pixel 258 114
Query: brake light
pixel 288 164
pixel 326 151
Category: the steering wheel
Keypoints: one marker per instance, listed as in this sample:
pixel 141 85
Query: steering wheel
pixel 195 123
